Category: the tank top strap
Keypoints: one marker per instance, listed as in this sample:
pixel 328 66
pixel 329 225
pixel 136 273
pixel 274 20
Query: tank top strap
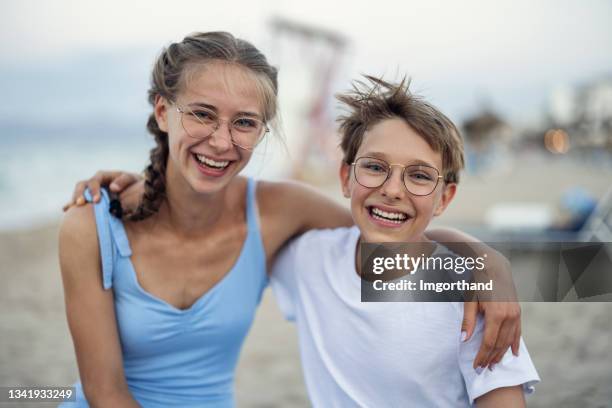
pixel 254 247
pixel 111 237
pixel 252 210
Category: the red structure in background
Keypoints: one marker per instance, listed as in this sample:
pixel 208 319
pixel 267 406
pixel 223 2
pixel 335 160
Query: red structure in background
pixel 324 49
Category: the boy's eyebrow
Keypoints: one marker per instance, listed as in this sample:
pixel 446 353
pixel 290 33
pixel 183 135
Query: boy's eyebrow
pixel 214 109
pixel 383 156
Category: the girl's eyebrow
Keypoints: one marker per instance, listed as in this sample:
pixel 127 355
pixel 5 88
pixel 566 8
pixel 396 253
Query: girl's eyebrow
pixel 202 105
pixel 214 109
pixel 383 156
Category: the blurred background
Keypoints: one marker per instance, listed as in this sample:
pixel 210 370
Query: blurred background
pixel 529 84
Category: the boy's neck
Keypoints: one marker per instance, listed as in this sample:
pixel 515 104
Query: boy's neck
pixel 412 248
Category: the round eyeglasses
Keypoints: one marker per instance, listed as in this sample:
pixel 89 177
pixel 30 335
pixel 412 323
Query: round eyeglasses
pixel 245 131
pixel 420 180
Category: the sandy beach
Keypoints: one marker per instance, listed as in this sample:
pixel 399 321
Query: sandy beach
pixel 569 343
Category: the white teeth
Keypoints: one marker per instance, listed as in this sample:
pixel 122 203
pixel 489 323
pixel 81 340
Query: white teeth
pixel 397 217
pixel 211 162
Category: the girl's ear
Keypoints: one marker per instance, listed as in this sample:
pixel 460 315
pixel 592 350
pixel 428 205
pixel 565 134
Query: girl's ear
pixel 161 113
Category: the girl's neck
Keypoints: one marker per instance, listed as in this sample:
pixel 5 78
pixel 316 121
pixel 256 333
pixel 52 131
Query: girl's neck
pixel 187 212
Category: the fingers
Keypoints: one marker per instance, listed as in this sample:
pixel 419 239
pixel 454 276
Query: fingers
pixel 130 197
pixel 94 184
pixel 504 341
pixel 118 180
pixel 121 182
pixel 491 332
pixel 517 339
pixel 470 313
pixel 502 330
pixel 77 196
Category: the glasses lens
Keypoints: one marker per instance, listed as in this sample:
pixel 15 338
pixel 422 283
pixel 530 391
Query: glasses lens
pixel 370 172
pixel 199 123
pixel 247 132
pixel 421 180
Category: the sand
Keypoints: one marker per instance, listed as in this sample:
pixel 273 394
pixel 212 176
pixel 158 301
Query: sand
pixel 569 343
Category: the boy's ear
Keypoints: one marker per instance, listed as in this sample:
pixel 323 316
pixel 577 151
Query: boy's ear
pixel 345 176
pixel 161 113
pixel 447 196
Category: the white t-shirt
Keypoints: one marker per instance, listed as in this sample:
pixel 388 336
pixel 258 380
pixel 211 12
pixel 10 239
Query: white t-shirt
pixel 392 354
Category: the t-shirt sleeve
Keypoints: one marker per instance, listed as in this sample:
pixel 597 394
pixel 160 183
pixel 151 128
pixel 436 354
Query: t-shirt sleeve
pixel 510 371
pixel 283 279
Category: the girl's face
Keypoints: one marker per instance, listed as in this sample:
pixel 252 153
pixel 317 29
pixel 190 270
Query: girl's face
pixel 208 164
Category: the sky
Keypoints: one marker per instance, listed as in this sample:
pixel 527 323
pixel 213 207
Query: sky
pixel 74 74
pixel 461 55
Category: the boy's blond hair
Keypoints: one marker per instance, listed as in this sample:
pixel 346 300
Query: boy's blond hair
pixel 370 102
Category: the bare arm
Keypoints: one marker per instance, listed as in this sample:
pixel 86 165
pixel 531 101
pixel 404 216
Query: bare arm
pixel 502 319
pixel 301 207
pixel 288 209
pixel 304 207
pixel 90 312
pixel 506 397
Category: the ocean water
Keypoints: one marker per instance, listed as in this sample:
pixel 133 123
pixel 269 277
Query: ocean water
pixel 38 169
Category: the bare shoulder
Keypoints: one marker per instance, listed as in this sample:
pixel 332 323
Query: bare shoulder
pixel 78 241
pixel 78 225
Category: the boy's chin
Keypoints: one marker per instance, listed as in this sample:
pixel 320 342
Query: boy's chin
pixel 395 236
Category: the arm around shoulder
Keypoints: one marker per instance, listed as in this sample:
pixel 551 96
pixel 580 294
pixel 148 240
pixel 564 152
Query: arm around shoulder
pixel 303 207
pixel 90 312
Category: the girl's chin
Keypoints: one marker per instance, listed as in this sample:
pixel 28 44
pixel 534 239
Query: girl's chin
pixel 203 184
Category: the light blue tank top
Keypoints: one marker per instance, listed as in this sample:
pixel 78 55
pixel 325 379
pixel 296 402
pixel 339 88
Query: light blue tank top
pixel 172 357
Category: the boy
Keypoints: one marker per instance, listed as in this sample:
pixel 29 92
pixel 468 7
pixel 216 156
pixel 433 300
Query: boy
pixel 402 159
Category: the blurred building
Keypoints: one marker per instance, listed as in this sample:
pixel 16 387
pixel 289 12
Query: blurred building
pixel 488 139
pixel 486 127
pixel 585 113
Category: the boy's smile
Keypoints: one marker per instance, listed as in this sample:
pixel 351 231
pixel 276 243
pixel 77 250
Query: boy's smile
pixel 390 213
pixel 388 216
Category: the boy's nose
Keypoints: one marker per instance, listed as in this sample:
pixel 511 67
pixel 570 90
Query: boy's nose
pixel 394 187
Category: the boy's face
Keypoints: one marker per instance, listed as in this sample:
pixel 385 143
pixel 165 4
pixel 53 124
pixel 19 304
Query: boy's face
pixel 395 142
